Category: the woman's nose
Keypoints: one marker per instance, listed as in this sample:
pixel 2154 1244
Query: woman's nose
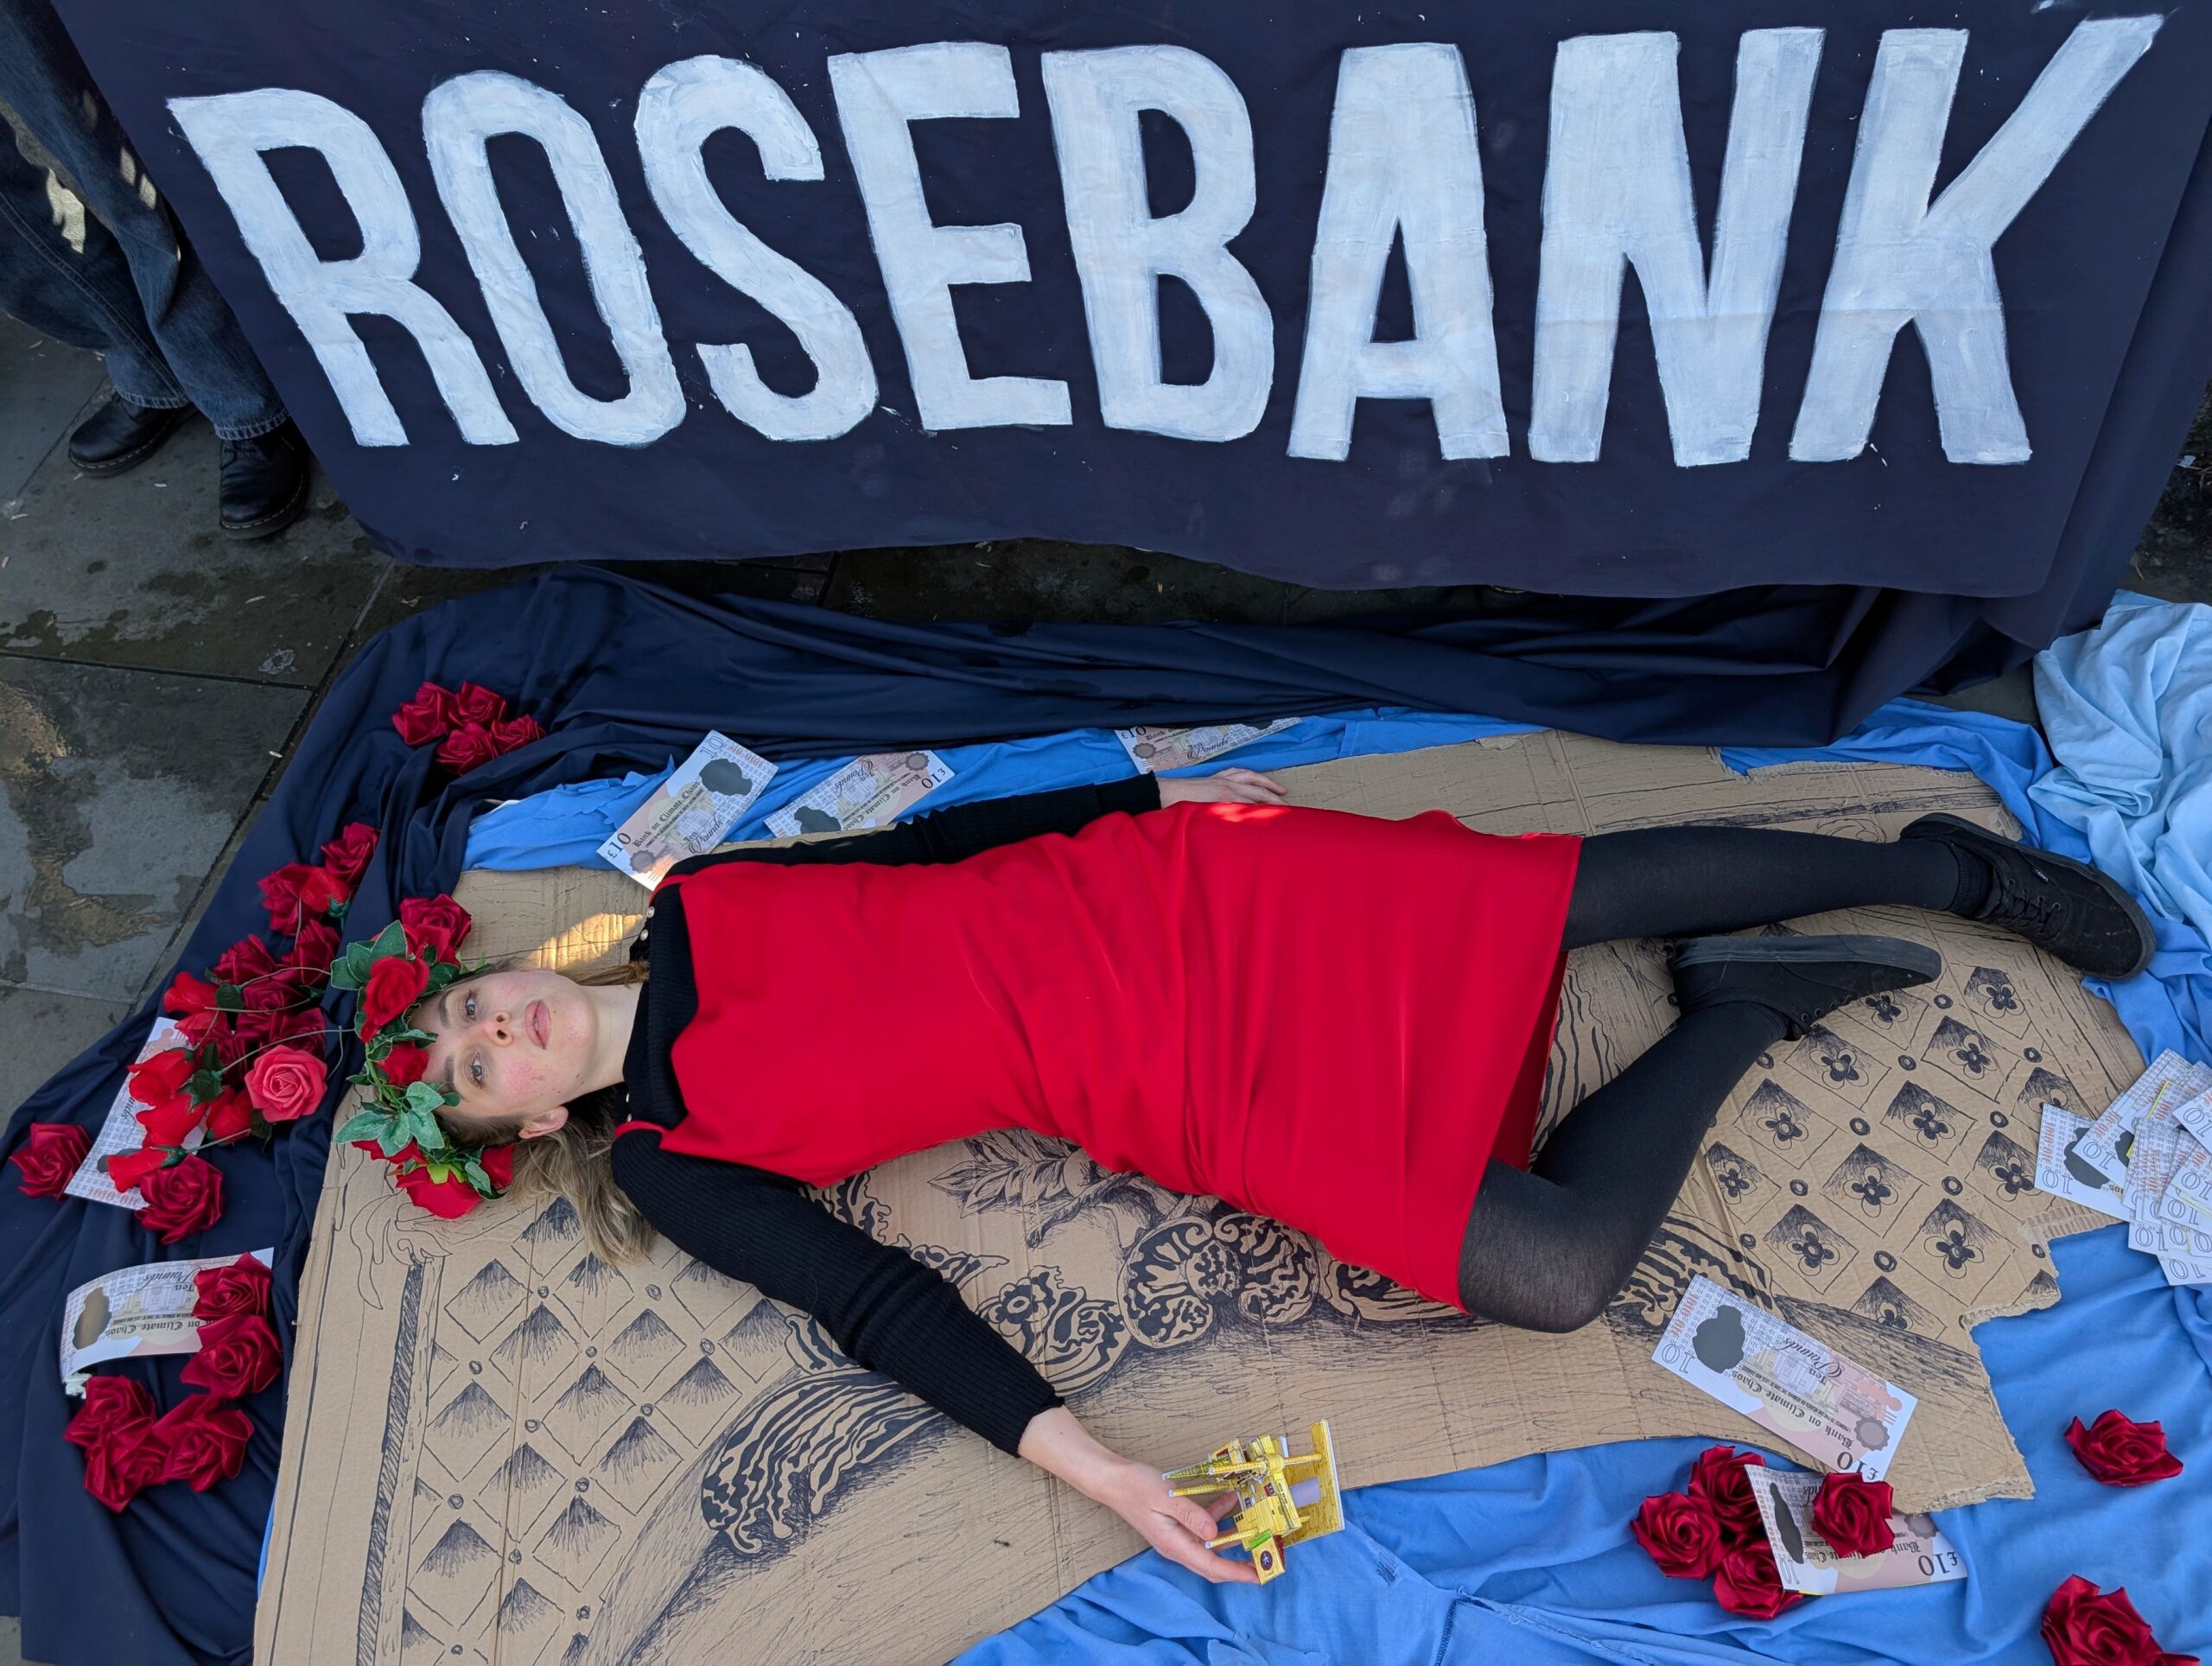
pixel 498 1028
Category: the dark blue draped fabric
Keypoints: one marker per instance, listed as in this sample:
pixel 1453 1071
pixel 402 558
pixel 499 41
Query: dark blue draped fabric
pixel 623 674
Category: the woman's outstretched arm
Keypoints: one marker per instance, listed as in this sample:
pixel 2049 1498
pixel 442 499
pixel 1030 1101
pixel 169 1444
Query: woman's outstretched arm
pixel 966 830
pixel 891 1314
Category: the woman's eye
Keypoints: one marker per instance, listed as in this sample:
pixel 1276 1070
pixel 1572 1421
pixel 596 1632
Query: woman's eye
pixel 476 1071
pixel 468 1008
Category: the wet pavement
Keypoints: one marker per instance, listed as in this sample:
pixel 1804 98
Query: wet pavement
pixel 154 676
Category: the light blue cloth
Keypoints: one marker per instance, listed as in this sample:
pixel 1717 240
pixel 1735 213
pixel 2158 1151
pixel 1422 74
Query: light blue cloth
pixel 564 826
pixel 2128 708
pixel 1532 1561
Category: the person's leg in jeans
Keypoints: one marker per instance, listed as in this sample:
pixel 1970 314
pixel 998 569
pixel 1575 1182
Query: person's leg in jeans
pixel 202 352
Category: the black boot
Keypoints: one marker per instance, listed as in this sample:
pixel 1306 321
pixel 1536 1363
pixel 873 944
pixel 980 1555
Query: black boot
pixel 1800 979
pixel 2085 917
pixel 119 435
pixel 264 483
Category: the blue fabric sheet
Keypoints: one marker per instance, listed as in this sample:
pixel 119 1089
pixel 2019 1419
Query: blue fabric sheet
pixel 2128 708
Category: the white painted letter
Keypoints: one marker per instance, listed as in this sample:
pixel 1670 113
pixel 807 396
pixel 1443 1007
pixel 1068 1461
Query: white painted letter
pixel 1617 190
pixel 229 132
pixel 680 108
pixel 1898 258
pixel 1122 251
pixel 1402 163
pixel 878 94
pixel 459 118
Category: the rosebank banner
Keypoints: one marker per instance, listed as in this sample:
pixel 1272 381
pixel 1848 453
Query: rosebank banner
pixel 1597 296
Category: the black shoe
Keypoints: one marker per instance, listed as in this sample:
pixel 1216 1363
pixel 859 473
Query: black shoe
pixel 2085 917
pixel 1800 979
pixel 119 435
pixel 264 483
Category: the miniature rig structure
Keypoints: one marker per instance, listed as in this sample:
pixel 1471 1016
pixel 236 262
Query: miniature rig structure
pixel 1281 1499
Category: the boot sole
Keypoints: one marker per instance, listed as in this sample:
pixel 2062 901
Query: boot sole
pixel 1896 953
pixel 1969 832
pixel 269 525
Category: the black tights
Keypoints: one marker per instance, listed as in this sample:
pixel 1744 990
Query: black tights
pixel 1547 1249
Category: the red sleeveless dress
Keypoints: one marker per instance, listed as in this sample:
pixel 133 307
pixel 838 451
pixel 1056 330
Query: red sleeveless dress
pixel 1331 1020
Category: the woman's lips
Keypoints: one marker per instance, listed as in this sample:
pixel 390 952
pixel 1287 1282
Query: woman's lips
pixel 540 1024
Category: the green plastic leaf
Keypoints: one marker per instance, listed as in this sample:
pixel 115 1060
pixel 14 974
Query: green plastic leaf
pixel 473 1166
pixel 202 1085
pixel 392 1141
pixel 229 998
pixel 441 975
pixel 368 1125
pixel 392 940
pixel 425 1096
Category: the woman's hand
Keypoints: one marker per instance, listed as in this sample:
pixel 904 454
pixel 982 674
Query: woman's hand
pixel 1177 1527
pixel 1230 786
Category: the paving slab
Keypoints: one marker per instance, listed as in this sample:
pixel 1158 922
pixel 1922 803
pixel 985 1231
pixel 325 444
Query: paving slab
pixel 43 386
pixel 121 790
pixel 41 1032
pixel 132 571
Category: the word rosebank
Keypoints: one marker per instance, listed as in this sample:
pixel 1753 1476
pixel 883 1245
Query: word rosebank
pixel 1404 175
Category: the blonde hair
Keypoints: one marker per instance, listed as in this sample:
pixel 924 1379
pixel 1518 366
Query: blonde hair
pixel 574 1162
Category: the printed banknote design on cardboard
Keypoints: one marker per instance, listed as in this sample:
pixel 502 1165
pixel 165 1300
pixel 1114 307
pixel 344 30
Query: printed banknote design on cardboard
pixel 506 1445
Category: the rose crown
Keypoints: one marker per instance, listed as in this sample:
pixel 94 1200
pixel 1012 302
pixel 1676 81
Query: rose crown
pixel 410 960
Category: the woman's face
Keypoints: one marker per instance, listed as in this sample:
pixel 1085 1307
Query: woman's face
pixel 511 1045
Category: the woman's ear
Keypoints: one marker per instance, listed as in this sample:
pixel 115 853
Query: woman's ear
pixel 545 1122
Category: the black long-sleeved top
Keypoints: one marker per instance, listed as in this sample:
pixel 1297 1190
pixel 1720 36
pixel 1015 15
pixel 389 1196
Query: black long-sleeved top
pixel 886 1310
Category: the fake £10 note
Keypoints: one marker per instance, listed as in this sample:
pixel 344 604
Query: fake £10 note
pixel 1807 1562
pixel 132 1311
pixel 689 813
pixel 871 792
pixel 1155 749
pixel 1840 1415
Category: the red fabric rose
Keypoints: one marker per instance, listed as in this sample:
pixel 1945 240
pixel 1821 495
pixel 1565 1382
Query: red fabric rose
pixel 425 717
pixel 161 1079
pixel 202 1440
pixel 198 1029
pixel 116 1428
pixel 184 1199
pixel 1718 1480
pixel 2084 1628
pixel 49 1157
pixel 241 1287
pixel 321 890
pixel 395 982
pixel 467 746
pixel 187 993
pixel 498 1163
pixel 280 895
pixel 243 961
pixel 474 703
pixel 347 855
pixel 230 1116
pixel 448 1199
pixel 1853 1514
pixel 2122 1453
pixel 168 1124
pixel 1681 1534
pixel 434 926
pixel 110 1402
pixel 404 1064
pixel 293 1024
pixel 1747 1582
pixel 238 1356
pixel 517 732
pixel 286 1084
pixel 129 1169
pixel 314 949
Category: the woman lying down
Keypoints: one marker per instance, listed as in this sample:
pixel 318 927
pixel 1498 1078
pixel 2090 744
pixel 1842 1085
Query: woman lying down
pixel 1338 1021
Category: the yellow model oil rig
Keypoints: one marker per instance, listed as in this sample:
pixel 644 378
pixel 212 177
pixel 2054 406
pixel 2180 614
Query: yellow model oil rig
pixel 1281 1499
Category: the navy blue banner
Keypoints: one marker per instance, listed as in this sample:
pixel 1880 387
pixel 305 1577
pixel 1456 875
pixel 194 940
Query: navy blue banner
pixel 1596 297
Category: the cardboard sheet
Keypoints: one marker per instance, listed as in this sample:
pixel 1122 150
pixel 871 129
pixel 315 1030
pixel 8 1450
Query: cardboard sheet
pixel 500 1448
